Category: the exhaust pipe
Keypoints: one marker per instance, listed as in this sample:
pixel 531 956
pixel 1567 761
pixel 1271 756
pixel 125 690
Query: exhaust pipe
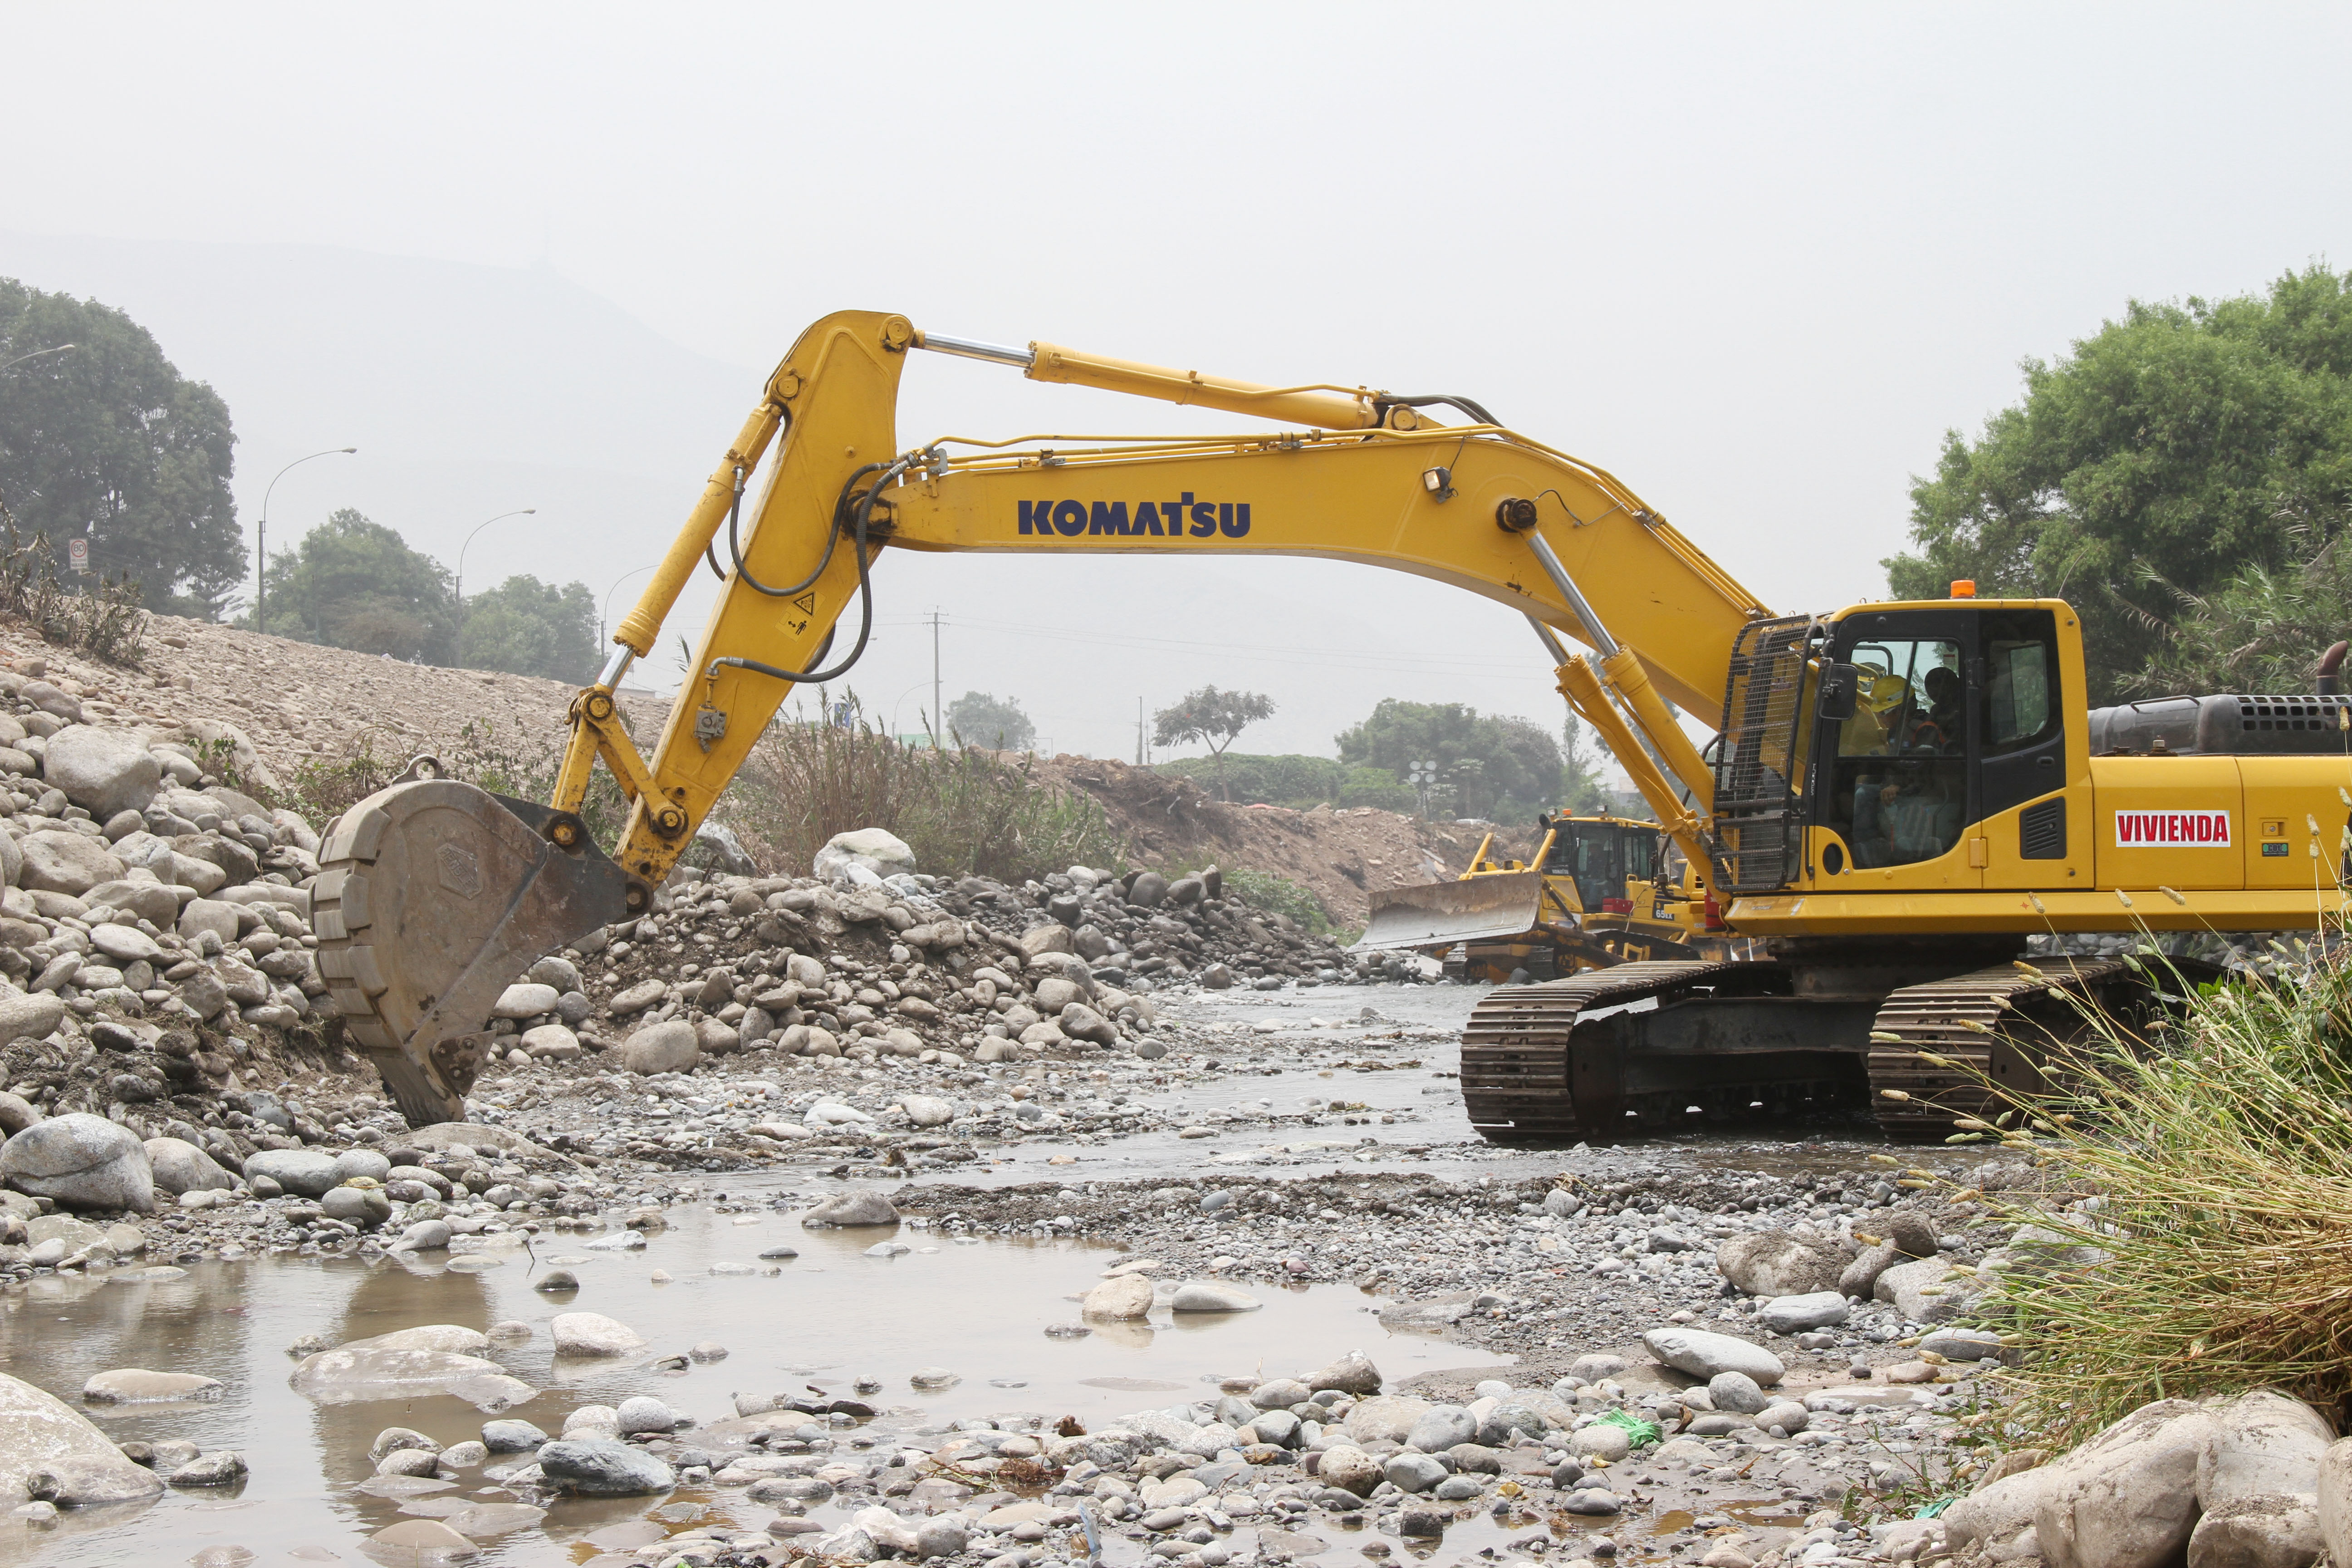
pixel 2331 666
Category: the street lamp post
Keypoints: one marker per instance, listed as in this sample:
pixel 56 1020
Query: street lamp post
pixel 525 511
pixel 36 353
pixel 604 615
pixel 261 544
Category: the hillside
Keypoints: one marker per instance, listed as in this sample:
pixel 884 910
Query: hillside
pixel 286 706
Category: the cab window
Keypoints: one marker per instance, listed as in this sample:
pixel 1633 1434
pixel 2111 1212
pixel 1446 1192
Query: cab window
pixel 1899 793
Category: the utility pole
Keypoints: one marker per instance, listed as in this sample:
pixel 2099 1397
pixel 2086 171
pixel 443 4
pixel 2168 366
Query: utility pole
pixel 1139 733
pixel 939 721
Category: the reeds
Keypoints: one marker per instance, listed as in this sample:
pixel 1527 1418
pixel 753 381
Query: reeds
pixel 2198 1179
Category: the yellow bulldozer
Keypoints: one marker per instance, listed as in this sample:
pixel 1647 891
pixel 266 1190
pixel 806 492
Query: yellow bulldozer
pixel 1898 797
pixel 1596 892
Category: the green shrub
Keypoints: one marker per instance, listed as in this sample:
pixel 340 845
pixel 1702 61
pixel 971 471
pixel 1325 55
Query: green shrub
pixel 1279 895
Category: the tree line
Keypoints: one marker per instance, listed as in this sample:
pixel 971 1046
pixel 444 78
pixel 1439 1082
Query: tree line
pixel 102 438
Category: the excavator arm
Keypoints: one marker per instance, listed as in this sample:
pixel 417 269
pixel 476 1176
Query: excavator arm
pixel 1356 475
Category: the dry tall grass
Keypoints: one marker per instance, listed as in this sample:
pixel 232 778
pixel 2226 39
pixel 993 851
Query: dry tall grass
pixel 2210 1165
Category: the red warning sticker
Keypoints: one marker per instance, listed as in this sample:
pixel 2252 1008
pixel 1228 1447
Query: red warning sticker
pixel 2172 829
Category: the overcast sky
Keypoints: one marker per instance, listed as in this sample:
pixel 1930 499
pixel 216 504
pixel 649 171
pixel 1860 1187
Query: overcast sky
pixel 1754 261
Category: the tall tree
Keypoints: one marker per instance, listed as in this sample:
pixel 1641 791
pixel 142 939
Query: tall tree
pixel 1211 718
pixel 2157 457
pixel 525 626
pixel 1506 768
pixel 354 584
pixel 976 719
pixel 1581 792
pixel 107 441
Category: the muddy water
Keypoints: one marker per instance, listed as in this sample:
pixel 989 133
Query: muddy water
pixel 827 1318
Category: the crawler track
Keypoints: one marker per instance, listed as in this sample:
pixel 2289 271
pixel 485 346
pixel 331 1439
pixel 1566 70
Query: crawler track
pixel 1999 1028
pixel 1517 1070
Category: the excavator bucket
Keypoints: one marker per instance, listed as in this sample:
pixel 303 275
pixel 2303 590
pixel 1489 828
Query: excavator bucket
pixel 1439 914
pixel 432 898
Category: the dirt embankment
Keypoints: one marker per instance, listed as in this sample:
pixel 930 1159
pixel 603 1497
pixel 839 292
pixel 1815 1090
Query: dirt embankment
pixel 1343 854
pixel 297 703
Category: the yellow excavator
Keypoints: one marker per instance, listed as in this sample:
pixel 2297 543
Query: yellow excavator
pixel 1899 796
pixel 1597 892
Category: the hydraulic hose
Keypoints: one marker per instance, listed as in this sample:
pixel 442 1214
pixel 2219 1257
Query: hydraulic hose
pixel 864 513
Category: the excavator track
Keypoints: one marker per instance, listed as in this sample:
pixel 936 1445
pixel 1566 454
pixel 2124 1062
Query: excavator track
pixel 1518 1077
pixel 1999 1028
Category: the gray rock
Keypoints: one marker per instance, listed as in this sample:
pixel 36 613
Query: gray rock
pixel 1592 1502
pixel 1858 1277
pixel 1704 1354
pixel 643 1413
pixel 1787 1414
pixel 1440 1427
pixel 1736 1392
pixel 511 1437
pixel 425 1236
pixel 1774 1263
pixel 556 1281
pixel 561 974
pixel 939 1537
pixel 81 1161
pixel 2258 1484
pixel 927 1109
pixel 528 999
pixel 1185 891
pixel 1795 1314
pixel 305 1170
pixel 1612 1443
pixel 1279 1428
pixel 1148 890
pixel 1080 1022
pixel 67 863
pixel 1281 1393
pixel 1350 1469
pixel 29 1017
pixel 102 771
pixel 594 1334
pixel 1207 1296
pixel 1927 1291
pixel 361 1374
pixel 673 1047
pixel 645 994
pixel 1217 977
pixel 1409 1472
pixel 365 1162
pixel 90 1482
pixel 124 945
pixel 1351 1373
pixel 603 1467
pixel 1964 1345
pixel 1458 1489
pixel 17 1112
pixel 180 1167
pixel 221 1467
pixel 1383 1417
pixel 2128 1497
pixel 861 1208
pixel 136 1385
pixel 364 1207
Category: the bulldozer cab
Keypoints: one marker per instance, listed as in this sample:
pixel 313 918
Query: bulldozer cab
pixel 1598 856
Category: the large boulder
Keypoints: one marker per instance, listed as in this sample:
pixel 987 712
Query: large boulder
pixel 2126 1498
pixel 673 1047
pixel 180 1167
pixel 102 771
pixel 594 1334
pixel 307 1171
pixel 1703 1355
pixel 81 1161
pixel 1349 1468
pixel 603 1467
pixel 60 862
pixel 1384 1418
pixel 882 852
pixel 29 1016
pixel 360 1374
pixel 1125 1295
pixel 41 1436
pixel 2258 1484
pixel 1928 1291
pixel 1351 1373
pixel 1775 1263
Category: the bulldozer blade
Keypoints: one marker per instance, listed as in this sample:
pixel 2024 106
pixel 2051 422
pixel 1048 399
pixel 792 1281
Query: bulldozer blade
pixel 433 897
pixel 1439 914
